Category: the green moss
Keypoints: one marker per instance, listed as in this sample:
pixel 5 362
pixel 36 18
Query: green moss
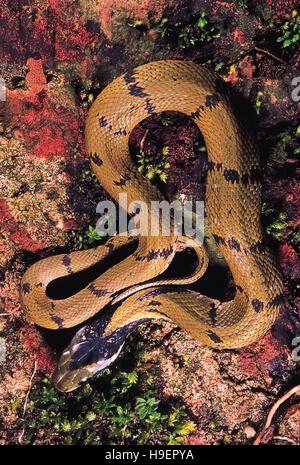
pixel 152 168
pixel 117 407
pixel 82 240
pixel 286 145
pixel 186 35
pixel 258 102
pixel 290 31
pixel 275 222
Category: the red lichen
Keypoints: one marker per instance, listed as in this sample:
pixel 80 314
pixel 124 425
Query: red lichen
pixel 17 233
pixel 239 37
pixel 9 292
pixel 289 260
pixel 35 78
pixel 35 345
pixel 255 359
pixel 47 129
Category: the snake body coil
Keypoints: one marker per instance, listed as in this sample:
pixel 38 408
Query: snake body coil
pixel 233 202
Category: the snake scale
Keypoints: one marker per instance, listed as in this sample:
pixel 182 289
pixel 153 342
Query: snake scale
pixel 232 204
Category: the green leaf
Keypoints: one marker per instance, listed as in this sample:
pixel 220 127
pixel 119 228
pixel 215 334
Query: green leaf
pixel 91 416
pixel 132 377
pixel 186 428
pixel 163 177
pixel 119 410
pixel 202 23
pixel 219 66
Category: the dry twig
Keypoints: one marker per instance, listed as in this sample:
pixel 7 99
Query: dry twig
pixel 272 412
pixel 268 53
pixel 26 400
pixel 143 141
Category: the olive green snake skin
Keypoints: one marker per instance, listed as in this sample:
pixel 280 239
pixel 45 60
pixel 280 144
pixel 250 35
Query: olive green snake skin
pixel 233 201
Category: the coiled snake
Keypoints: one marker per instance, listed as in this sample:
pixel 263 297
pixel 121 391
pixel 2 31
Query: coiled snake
pixel 232 202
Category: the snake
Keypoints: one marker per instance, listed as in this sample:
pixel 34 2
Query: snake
pixel 135 290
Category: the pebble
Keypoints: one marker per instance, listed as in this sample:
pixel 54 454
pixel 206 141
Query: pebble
pixel 249 432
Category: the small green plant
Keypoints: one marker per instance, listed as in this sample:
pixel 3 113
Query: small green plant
pixel 286 146
pixel 116 407
pixel 147 406
pixel 275 221
pixel 219 66
pixel 243 5
pixel 258 102
pixel 202 33
pixel 83 239
pixel 290 31
pixel 86 175
pixel 199 146
pixel 136 23
pixel 212 425
pixel 186 36
pixel 165 121
pixel 93 235
pixel 154 169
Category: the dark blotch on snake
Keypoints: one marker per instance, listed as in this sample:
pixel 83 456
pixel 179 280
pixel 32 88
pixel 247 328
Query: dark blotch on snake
pixel 129 77
pixel 121 132
pixel 97 292
pixel 233 244
pixel 277 301
pixel 137 91
pixel 214 337
pixel 257 247
pixel 197 113
pixel 150 107
pixel 231 176
pixel 67 262
pixel 96 159
pixel 26 288
pixel 219 239
pixel 245 179
pixel 155 302
pixel 211 165
pixel 110 246
pixel 122 181
pixel 211 101
pixel 257 305
pixel 102 121
pixel 59 321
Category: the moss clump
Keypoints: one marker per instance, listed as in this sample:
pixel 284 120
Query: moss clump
pixel 286 146
pixel 290 31
pixel 154 169
pixel 275 222
pixel 118 407
pixel 186 35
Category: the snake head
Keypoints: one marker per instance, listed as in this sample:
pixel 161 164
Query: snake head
pixel 90 352
pixel 79 362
